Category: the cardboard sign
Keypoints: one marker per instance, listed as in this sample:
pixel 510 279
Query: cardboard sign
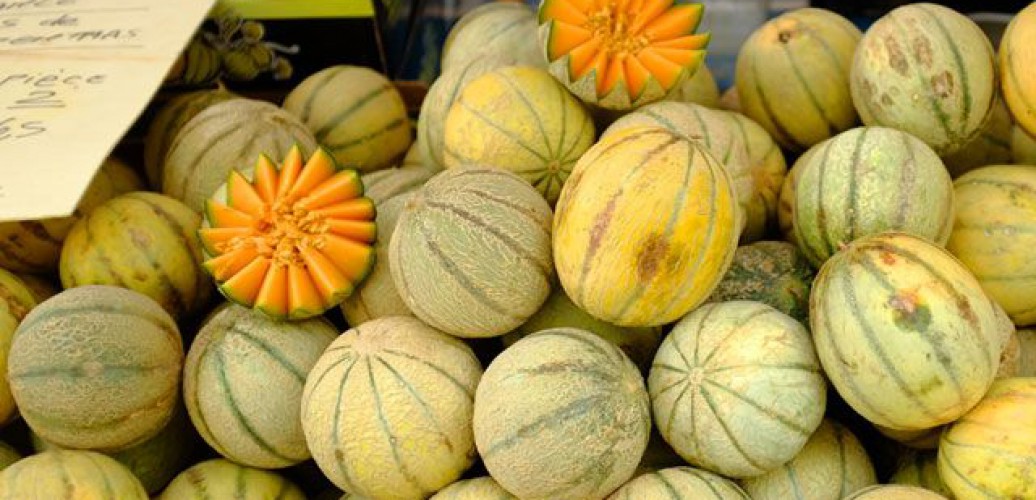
pixel 74 75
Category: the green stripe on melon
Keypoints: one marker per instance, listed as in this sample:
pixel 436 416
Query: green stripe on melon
pixel 145 242
pixel 991 146
pixel 699 88
pixel 927 70
pixel 736 388
pixel 479 488
pixel 894 492
pixel 69 474
pixel 880 312
pixel 793 76
pixel 16 300
pixel 470 254
pixel 397 393
pixel 226 136
pixel 570 392
pixel 865 181
pixel 495 30
pixel 168 122
pixel 96 367
pixel 355 113
pixel 219 478
pixel 831 465
pixel 768 168
pixel 680 483
pixel 381 185
pixel 252 420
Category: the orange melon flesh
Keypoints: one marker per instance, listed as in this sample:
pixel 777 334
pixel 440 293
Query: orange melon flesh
pixel 625 42
pixel 293 242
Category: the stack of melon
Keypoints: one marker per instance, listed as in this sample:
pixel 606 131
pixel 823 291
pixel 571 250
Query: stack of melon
pixel 581 275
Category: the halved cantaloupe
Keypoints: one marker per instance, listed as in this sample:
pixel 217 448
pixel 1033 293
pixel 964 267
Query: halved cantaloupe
pixel 621 54
pixel 294 241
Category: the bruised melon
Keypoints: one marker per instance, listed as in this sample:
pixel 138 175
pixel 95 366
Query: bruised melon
pixel 69 474
pixel 767 168
pixel 772 272
pixel 381 185
pixel 894 492
pixel 295 241
pixel 621 55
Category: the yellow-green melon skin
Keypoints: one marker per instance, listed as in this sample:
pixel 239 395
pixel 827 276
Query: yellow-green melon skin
pixel 69 474
pixel 645 228
pixel 927 70
pixel 220 478
pixel 1016 59
pixel 991 451
pixel 792 76
pixel 921 470
pixel 8 455
pixel 865 181
pixel 168 121
pixel 377 296
pixel 145 242
pixel 772 272
pixel 560 312
pixel 16 300
pixel 904 332
pixel 34 246
pixel 156 461
pixel 519 119
pixel 381 185
pixel 894 492
pixel 573 395
pixel 767 168
pixel 1026 353
pixel 471 253
pixel 96 367
pixel 387 409
pixel 479 488
pixel 830 466
pixel 223 137
pixel 700 88
pixel 680 483
pixel 730 100
pixel 1023 147
pixel 786 200
pixel 714 129
pixel 494 30
pixel 995 213
pixel 736 388
pixel 355 113
pixel 42 287
pixel 922 439
pixel 991 146
pixel 252 420
pixel 442 94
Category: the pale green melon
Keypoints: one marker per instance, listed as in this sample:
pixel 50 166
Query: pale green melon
pixel 219 478
pixel 680 483
pixel 894 492
pixel 569 393
pixel 772 272
pixel 494 29
pixel 922 470
pixel 168 121
pixel 69 474
pixel 479 488
pixel 786 200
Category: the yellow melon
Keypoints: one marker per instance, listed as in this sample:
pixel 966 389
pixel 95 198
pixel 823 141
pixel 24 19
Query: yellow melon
pixel 479 488
pixel 69 474
pixel 1017 58
pixel 219 478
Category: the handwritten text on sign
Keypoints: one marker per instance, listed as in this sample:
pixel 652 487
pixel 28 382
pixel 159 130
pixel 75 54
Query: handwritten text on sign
pixel 74 75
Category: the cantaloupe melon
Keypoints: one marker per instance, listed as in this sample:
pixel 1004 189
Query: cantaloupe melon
pixel 894 492
pixel 1026 353
pixel 387 409
pixel 990 452
pixel 645 227
pixel 494 30
pixel 793 76
pixel 904 332
pixel 573 395
pixel 479 488
pixel 865 181
pixel 381 185
pixel 252 420
pixel 471 254
pixel 921 470
pixel 8 455
pixel 16 300
pixel 227 136
pixel 736 388
pixel 680 482
pixel 621 55
pixel 220 478
pixel 355 113
pixel 830 466
pixel 991 146
pixel 1016 59
pixel 519 119
pixel 767 168
pixel 69 474
pixel 168 121
pixel 699 88
pixel 772 272
pixel 34 246
pixel 995 210
pixel 96 367
pixel 927 70
pixel 559 311
pixel 442 94
pixel 143 241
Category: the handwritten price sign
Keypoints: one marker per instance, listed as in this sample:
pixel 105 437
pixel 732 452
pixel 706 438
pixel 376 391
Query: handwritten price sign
pixel 74 75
